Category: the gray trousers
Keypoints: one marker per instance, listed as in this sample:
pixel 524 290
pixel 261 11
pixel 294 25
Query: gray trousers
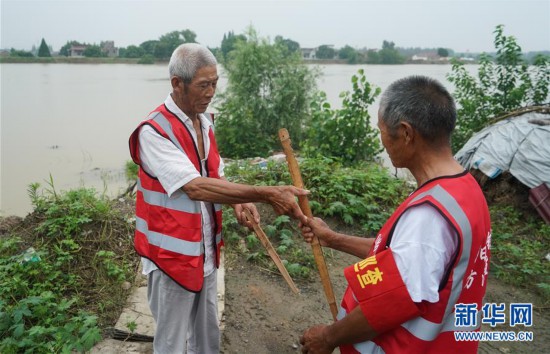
pixel 186 322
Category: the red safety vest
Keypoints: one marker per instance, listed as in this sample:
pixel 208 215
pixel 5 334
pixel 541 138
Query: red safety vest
pixel 169 229
pixel 460 200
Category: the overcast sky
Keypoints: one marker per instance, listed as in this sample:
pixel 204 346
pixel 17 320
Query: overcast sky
pixel 460 25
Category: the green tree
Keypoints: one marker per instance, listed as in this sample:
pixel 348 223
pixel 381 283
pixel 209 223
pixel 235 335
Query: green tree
pixel 43 50
pixel 350 54
pixel 170 41
pixel 146 59
pixel 325 52
pixel 149 46
pixel 268 89
pixel 502 85
pixel 163 50
pixel 373 57
pixel 292 46
pixel 93 51
pixel 133 51
pixel 216 51
pixel 345 133
pixel 442 52
pixel 229 41
pixel 389 54
pixel 531 57
pixel 66 49
pixel 20 53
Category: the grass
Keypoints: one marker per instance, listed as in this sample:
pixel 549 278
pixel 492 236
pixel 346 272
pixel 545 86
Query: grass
pixel 519 246
pixel 60 297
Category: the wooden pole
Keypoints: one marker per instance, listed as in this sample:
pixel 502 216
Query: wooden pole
pixel 304 205
pixel 271 251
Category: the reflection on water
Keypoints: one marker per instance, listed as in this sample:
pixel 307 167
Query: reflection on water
pixel 73 121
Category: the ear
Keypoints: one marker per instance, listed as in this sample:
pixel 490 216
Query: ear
pixel 407 131
pixel 175 81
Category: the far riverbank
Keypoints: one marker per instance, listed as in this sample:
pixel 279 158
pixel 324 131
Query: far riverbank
pixel 117 60
pixel 67 60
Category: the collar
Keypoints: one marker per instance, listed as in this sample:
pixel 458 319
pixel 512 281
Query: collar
pixel 173 107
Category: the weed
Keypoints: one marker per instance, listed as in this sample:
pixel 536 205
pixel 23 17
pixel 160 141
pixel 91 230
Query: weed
pixel 131 171
pixel 132 326
pixel 49 298
pixel 519 247
pixel 362 195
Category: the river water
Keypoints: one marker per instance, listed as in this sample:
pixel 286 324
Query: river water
pixel 72 121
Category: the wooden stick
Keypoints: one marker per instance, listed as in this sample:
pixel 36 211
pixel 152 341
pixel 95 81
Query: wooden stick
pixel 304 205
pixel 271 251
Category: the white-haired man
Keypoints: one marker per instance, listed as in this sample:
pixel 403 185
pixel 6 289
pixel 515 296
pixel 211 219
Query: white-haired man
pixel 178 207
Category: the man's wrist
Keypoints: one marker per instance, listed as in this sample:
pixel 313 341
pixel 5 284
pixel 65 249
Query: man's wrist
pixel 328 337
pixel 264 194
pixel 330 238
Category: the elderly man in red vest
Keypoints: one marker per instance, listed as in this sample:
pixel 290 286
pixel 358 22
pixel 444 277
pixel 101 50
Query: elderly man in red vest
pixel 178 211
pixel 432 253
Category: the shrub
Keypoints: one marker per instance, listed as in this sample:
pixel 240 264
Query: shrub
pixel 365 194
pixel 502 85
pixel 146 59
pixel 519 246
pixel 268 88
pixel 57 298
pixel 345 133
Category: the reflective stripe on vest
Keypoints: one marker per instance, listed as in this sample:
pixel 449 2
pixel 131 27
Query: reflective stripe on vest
pixel 178 201
pixel 169 243
pixel 420 327
pixel 161 120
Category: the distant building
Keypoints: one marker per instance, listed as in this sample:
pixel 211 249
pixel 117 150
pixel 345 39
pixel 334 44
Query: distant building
pixel 428 57
pixel 108 48
pixel 309 53
pixel 77 50
pixel 425 56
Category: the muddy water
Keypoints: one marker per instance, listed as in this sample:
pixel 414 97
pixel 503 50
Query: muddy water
pixel 72 121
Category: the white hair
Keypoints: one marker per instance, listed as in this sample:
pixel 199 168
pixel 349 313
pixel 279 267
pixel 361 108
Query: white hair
pixel 188 58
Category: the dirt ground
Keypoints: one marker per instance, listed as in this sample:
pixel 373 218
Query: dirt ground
pixel 262 314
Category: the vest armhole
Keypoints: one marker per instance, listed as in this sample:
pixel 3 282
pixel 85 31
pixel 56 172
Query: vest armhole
pixel 159 133
pixel 148 175
pixel 459 242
